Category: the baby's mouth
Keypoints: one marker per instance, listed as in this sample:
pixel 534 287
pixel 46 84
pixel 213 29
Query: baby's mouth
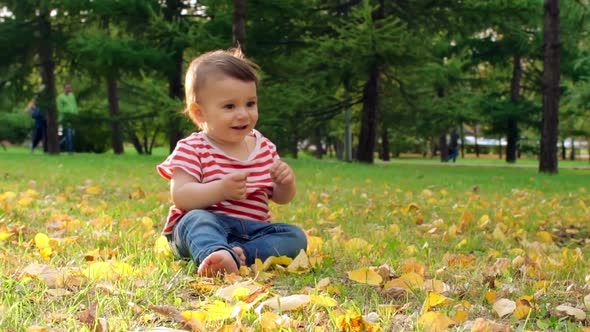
pixel 240 127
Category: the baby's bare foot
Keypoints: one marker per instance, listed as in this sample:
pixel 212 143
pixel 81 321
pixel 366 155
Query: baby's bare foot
pixel 241 256
pixel 217 263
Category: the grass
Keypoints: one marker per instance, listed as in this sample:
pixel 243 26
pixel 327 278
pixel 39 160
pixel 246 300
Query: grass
pixel 482 232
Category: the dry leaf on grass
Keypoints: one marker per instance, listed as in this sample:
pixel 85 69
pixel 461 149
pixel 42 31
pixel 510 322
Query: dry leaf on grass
pixel 434 321
pixel 504 307
pixel 571 312
pixel 285 303
pixel 365 276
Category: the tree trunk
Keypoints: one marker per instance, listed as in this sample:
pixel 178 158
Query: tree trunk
pixel 551 72
pixel 462 133
pixel 293 144
pixel 47 66
pixel 175 91
pixel 433 147
pixel 511 140
pixel 500 147
pixel 573 150
pixel 385 150
pixel 347 124
pixel 444 149
pixel 239 24
pixel 368 133
pixel 319 150
pixel 512 131
pixel 114 112
pixel 135 141
pixel 173 14
pixel 475 137
pixel 563 150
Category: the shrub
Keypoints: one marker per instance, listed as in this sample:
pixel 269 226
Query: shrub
pixel 92 132
pixel 15 127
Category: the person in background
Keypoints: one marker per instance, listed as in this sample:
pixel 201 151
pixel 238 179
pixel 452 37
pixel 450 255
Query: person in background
pixel 222 177
pixel 67 109
pixel 39 126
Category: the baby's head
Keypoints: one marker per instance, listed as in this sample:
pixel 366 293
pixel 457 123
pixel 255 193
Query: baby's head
pixel 216 65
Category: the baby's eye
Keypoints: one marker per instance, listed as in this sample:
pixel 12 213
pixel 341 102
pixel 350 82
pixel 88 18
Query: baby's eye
pixel 229 106
pixel 251 104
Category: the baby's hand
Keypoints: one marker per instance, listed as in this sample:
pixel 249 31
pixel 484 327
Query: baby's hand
pixel 234 185
pixel 281 173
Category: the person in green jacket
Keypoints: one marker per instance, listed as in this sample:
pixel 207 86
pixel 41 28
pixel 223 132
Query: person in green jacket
pixel 67 109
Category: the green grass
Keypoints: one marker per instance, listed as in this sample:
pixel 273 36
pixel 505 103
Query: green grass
pixel 405 210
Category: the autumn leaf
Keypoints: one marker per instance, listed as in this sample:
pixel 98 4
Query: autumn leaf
pixel 218 310
pixel 162 248
pixel 300 264
pixel 523 307
pixel 434 321
pixel 274 260
pixel 436 286
pixel 564 310
pixel 356 245
pixel 314 244
pixel 411 265
pixel 229 293
pixel 93 190
pixel 353 321
pixel 5 236
pixel 324 301
pixel 504 307
pixel 434 299
pixel 365 276
pixel 107 270
pixel 285 303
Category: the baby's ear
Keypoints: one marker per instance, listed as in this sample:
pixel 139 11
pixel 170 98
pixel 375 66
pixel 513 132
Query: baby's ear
pixel 196 112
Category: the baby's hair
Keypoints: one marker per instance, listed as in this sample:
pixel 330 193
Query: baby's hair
pixel 230 63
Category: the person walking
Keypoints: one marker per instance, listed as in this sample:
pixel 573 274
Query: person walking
pixel 67 109
pixel 39 126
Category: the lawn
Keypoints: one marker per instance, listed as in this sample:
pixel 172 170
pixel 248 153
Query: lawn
pixel 395 246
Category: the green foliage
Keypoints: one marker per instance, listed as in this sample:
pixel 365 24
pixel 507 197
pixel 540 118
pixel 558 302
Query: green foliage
pixel 442 64
pixel 16 126
pixel 92 132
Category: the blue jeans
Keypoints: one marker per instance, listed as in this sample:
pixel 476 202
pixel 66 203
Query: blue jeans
pixel 199 233
pixel 68 134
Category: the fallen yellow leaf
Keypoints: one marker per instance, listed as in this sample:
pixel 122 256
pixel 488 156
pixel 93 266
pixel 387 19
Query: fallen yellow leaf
pixel 286 303
pixel 5 236
pixel 93 190
pixel 300 264
pixel 365 276
pixel 434 299
pixel 324 301
pixel 434 321
pixel 504 307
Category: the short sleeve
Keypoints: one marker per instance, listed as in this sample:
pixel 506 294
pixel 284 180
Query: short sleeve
pixel 184 157
pixel 273 150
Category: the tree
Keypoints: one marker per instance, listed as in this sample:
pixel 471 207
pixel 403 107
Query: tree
pixel 551 74
pixel 29 35
pixel 113 45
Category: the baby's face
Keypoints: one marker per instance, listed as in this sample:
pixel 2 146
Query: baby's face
pixel 229 108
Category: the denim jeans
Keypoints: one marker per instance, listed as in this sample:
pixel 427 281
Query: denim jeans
pixel 68 139
pixel 199 233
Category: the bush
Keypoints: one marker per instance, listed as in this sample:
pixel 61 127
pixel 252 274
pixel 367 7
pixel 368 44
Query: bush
pixel 15 127
pixel 92 132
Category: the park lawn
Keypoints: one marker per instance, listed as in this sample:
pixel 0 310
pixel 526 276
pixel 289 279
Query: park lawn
pixel 456 246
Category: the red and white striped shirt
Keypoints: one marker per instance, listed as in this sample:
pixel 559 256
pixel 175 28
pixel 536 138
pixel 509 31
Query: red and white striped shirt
pixel 197 156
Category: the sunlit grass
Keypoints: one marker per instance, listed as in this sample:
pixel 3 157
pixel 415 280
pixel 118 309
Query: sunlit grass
pixel 407 216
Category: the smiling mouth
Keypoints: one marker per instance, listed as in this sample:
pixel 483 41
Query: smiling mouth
pixel 240 127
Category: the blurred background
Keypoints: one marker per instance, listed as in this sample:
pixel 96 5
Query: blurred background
pixel 345 79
